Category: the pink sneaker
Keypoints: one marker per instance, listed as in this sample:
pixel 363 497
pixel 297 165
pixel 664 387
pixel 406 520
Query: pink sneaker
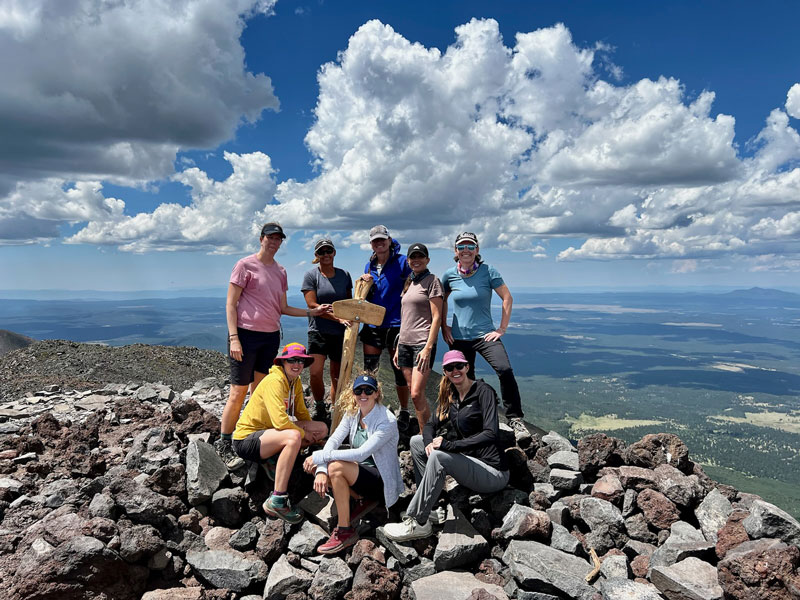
pixel 339 540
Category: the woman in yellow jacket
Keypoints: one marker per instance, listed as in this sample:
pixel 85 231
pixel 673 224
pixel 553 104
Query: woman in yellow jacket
pixel 276 422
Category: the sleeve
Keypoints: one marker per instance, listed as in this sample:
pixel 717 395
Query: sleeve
pixel 349 282
pixel 446 282
pixel 435 288
pixel 488 403
pixel 366 267
pixel 284 281
pixel 309 281
pixel 342 432
pixel 300 410
pixel 240 276
pixel 430 427
pixel 495 279
pixel 276 410
pixel 385 433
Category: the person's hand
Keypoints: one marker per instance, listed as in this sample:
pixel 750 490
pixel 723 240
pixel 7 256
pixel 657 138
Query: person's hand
pixel 424 360
pixel 434 445
pixel 236 349
pixel 321 484
pixel 345 322
pixel 322 309
pixel 309 466
pixel 366 277
pixel 394 358
pixel 447 334
pixel 493 336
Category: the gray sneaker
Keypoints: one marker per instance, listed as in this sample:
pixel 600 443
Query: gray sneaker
pixel 519 427
pixel 226 453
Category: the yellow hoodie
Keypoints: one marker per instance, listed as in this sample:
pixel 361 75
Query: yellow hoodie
pixel 268 406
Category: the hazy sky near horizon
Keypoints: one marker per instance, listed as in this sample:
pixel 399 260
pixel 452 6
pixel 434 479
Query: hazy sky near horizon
pixel 143 143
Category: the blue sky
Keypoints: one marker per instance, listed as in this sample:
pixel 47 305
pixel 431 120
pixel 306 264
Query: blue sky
pixel 588 144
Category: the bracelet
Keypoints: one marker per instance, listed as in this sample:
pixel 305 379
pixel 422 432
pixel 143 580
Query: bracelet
pixel 308 312
pixel 233 335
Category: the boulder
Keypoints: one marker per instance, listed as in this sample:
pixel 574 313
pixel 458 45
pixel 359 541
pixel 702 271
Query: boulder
pixel 681 489
pixel 609 488
pixel 637 528
pixel 637 478
pixel 459 543
pixel 732 533
pixel 230 570
pixel 139 543
pixel 659 510
pixel 143 505
pixel 768 521
pixel 102 505
pixel 204 472
pixel 712 514
pixel 453 586
pixel 763 569
pixel 228 505
pixel 557 442
pixel 305 541
pixel 284 579
pixel 607 528
pixel 562 479
pixel 271 539
pixel 331 580
pixel 180 593
pixel 597 451
pixel 245 538
pixel 689 579
pixel 564 459
pixel 624 589
pixel 541 568
pixel 659 448
pixel 373 581
pixel 562 539
pixel 402 551
pixel 523 522
pixel 614 566
pixel 365 548
pixel 683 542
pixel 320 510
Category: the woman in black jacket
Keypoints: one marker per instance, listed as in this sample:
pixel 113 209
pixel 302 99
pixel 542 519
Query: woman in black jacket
pixel 465 447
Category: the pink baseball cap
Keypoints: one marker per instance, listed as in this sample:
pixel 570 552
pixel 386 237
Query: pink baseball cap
pixel 454 356
pixel 293 350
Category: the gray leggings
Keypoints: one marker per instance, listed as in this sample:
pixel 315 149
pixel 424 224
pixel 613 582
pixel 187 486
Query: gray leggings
pixel 430 472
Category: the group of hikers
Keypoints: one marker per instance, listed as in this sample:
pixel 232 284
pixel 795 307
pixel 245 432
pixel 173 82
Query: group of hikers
pixel 459 439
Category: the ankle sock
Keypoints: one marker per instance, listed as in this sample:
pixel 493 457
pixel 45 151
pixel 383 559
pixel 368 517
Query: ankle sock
pixel 226 436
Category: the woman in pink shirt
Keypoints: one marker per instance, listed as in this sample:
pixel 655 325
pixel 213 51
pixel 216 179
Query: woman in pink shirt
pixel 256 301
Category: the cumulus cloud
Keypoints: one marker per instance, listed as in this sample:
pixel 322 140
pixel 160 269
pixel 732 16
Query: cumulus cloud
pixel 221 218
pixel 793 101
pixel 112 90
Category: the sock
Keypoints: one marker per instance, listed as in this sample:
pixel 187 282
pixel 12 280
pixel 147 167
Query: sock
pixel 226 436
pixel 347 529
pixel 405 410
pixel 279 499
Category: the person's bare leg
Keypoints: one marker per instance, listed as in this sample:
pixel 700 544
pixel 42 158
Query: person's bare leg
pixel 230 414
pixel 342 475
pixel 402 396
pixel 419 381
pixel 316 431
pixel 285 443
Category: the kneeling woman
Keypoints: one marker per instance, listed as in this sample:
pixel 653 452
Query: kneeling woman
pixel 369 471
pixel 276 422
pixel 470 453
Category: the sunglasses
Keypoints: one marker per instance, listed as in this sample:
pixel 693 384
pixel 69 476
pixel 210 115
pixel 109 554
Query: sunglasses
pixel 324 251
pixel 363 391
pixel 452 366
pixel 294 361
pixel 466 247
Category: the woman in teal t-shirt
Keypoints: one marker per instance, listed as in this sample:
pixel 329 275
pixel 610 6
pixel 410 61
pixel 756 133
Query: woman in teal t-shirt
pixel 468 289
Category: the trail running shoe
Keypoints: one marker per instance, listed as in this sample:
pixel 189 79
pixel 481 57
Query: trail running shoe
pixel 519 427
pixel 280 508
pixel 341 538
pixel 228 456
pixel 270 467
pixel 437 516
pixel 403 418
pixel 408 529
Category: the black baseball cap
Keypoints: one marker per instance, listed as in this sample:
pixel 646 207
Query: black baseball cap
pixel 421 248
pixel 323 243
pixel 271 228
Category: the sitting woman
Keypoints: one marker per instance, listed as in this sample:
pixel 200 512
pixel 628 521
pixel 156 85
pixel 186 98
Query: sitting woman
pixel 276 422
pixel 369 471
pixel 467 450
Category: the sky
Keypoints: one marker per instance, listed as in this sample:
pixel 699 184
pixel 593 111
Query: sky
pixel 143 143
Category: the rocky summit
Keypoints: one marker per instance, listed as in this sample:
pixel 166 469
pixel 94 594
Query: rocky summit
pixel 114 492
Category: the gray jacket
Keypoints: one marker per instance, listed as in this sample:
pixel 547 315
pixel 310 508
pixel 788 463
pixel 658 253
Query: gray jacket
pixel 381 444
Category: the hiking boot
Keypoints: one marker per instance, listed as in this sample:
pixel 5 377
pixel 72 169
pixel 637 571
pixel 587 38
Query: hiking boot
pixel 359 508
pixel 341 538
pixel 519 427
pixel 403 418
pixel 279 507
pixel 408 529
pixel 270 466
pixel 225 451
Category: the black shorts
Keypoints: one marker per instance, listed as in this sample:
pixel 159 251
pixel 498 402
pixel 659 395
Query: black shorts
pixel 259 349
pixel 326 344
pixel 368 483
pixel 407 355
pixel 380 337
pixel 250 447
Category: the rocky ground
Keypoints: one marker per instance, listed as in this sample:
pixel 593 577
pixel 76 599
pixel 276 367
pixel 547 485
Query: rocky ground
pixel 114 492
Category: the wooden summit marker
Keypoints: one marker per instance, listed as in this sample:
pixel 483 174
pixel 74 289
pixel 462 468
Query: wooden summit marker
pixel 357 310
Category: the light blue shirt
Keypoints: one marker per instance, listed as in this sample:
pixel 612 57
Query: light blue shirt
pixel 470 300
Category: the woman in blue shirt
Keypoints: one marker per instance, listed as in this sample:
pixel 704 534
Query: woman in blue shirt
pixel 468 289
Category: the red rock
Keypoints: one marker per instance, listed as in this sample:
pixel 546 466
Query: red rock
pixel 659 510
pixel 364 548
pixel 639 565
pixel 659 448
pixel 373 581
pixel 608 488
pixel 597 451
pixel 637 478
pixel 732 533
pixel 764 569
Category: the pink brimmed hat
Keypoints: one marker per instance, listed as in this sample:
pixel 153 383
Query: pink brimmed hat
pixel 454 356
pixel 293 350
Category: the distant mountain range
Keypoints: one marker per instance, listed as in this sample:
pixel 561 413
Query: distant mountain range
pixel 13 341
pixel 757 293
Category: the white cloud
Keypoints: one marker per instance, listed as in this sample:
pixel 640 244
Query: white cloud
pixel 793 101
pixel 112 90
pixel 223 215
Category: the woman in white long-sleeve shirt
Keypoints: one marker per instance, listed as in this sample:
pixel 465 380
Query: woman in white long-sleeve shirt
pixel 368 472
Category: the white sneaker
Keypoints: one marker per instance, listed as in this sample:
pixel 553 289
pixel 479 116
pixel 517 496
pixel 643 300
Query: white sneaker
pixel 408 529
pixel 436 517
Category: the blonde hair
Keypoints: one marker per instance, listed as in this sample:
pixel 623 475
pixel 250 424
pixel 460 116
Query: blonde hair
pixel 447 392
pixel 349 402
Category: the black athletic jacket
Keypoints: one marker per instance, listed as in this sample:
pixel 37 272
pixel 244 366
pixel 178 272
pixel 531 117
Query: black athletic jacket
pixel 472 427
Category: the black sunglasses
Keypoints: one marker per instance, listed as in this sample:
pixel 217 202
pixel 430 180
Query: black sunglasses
pixel 449 368
pixel 324 251
pixel 294 361
pixel 363 391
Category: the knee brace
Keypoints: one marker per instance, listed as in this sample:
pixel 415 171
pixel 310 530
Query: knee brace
pixel 399 378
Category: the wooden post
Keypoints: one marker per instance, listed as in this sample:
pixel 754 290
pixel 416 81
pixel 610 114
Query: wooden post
pixel 357 310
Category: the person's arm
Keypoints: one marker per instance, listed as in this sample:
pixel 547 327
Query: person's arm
pixel 430 427
pixel 424 356
pixel 505 318
pixel 273 400
pixel 311 301
pixel 385 433
pixel 292 311
pixel 300 410
pixel 334 441
pixel 446 329
pixel 234 293
pixel 487 400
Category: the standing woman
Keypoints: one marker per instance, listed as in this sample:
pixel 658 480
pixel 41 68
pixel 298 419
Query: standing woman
pixel 468 289
pixel 276 422
pixel 468 452
pixel 256 301
pixel 368 472
pixel 421 316
pixel 325 284
pixel 388 270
